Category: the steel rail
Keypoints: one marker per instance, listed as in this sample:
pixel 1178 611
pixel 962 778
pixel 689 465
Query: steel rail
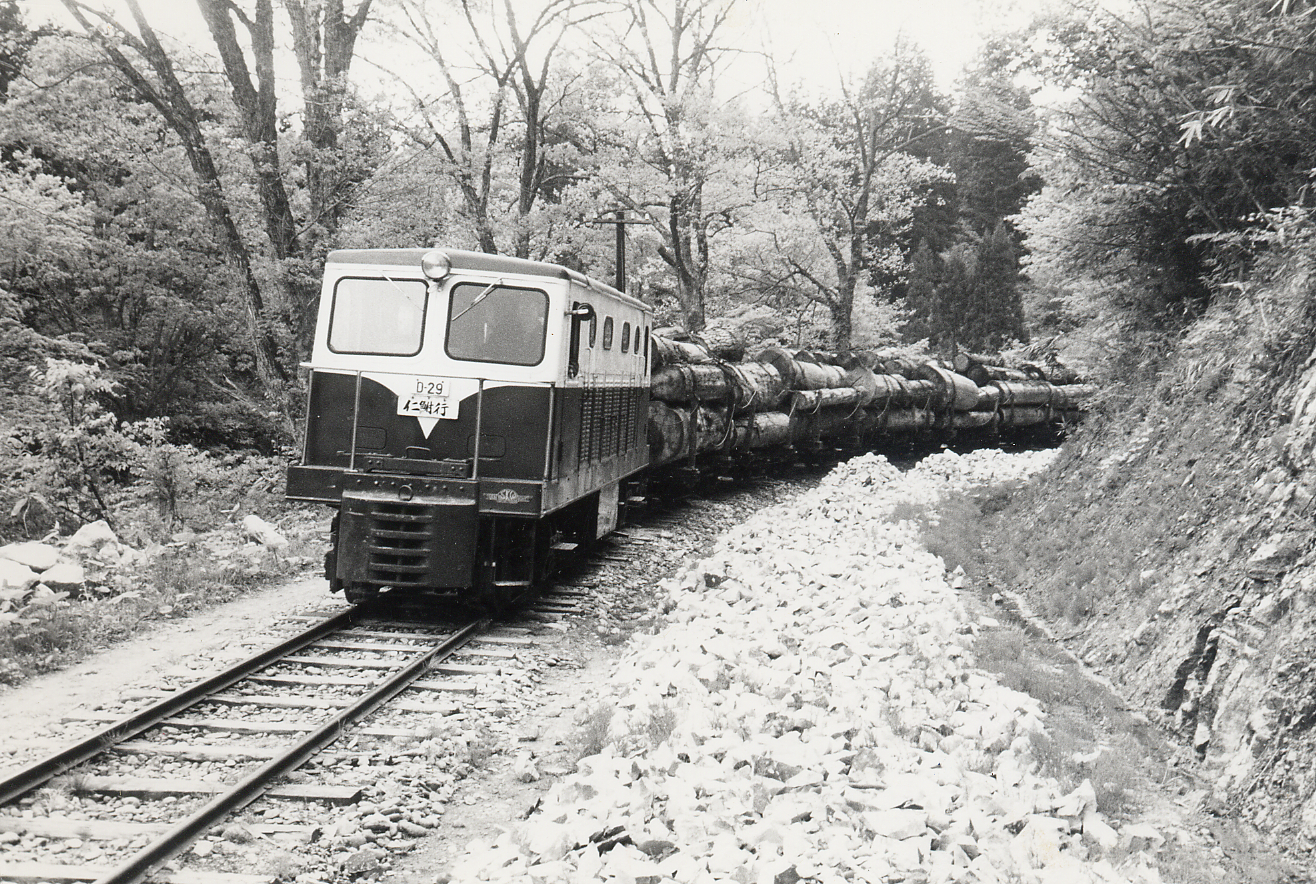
pixel 125 728
pixel 170 844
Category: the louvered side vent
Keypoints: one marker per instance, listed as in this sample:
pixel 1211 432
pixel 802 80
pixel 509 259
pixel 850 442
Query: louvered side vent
pixel 400 544
pixel 610 421
pixel 620 421
pixel 637 422
pixel 584 452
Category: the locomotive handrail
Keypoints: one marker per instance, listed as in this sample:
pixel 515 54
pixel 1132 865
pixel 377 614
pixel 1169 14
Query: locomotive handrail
pixel 479 430
pixel 356 417
pixel 551 434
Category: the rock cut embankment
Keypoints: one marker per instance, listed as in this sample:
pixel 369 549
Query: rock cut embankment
pixel 1172 546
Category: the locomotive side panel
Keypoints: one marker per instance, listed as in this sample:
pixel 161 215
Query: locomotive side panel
pixel 599 443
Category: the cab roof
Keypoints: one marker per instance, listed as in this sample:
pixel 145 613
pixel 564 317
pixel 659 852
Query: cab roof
pixel 481 262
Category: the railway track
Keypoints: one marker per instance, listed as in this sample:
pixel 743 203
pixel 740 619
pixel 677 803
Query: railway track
pixel 259 721
pixel 116 805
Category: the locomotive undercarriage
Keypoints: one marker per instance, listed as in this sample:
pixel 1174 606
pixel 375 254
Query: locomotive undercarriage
pixel 446 548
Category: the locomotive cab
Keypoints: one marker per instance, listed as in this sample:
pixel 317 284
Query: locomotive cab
pixel 468 415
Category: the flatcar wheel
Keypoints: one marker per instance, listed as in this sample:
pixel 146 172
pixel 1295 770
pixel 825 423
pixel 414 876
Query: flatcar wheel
pixel 360 593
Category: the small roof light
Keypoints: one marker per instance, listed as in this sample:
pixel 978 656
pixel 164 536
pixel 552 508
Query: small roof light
pixel 435 264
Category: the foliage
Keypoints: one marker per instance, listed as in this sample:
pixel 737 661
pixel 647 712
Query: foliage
pixel 989 141
pixel 240 169
pixel 169 471
pixel 968 297
pixel 85 449
pixel 101 247
pixel 79 464
pixel 850 174
pixel 1186 122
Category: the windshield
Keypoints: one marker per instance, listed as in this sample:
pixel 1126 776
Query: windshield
pixel 492 322
pixel 377 316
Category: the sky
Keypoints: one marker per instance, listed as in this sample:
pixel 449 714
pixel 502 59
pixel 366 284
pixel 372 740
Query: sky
pixel 816 41
pixel 822 40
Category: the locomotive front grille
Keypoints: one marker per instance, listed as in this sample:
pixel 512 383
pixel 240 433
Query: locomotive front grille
pixel 400 545
pixel 427 541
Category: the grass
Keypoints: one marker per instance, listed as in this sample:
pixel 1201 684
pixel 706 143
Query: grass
pixel 1085 737
pixel 1071 755
pixel 950 530
pixel 596 731
pixel 661 725
pixel 594 728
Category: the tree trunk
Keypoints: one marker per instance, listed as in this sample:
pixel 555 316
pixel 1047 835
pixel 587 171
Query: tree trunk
pixel 259 107
pixel 170 99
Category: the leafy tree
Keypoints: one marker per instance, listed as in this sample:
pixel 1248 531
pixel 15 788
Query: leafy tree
pixel 86 447
pixel 678 137
pixel 110 252
pixel 851 172
pixel 16 40
pixel 1190 122
pixel 142 60
pixel 275 276
pixel 989 141
pixel 962 286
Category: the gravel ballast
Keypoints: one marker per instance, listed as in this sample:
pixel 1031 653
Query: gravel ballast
pixel 810 709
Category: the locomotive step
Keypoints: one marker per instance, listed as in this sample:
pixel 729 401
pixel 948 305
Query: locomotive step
pixel 397 567
pixel 565 546
pixel 399 534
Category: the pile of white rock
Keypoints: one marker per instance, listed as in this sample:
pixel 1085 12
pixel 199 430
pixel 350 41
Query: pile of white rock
pixel 811 711
pixel 34 570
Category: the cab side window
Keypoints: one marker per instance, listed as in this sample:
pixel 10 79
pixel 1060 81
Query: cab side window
pixel 607 333
pixel 625 337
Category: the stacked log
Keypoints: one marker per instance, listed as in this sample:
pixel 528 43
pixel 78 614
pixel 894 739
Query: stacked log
pixel 982 368
pixel 700 404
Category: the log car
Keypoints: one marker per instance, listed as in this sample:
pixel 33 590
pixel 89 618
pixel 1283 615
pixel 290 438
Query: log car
pixel 469 416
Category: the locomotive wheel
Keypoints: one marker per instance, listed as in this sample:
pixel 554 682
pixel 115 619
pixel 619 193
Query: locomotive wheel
pixel 360 593
pixel 331 557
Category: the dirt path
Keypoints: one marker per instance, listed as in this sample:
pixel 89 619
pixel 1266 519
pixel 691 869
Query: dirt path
pixel 32 715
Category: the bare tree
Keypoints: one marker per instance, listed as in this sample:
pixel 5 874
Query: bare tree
pixel 501 58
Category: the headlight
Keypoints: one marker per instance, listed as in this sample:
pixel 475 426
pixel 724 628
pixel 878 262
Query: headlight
pixel 436 264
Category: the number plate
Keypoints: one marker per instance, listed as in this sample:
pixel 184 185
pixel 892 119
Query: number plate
pixel 429 397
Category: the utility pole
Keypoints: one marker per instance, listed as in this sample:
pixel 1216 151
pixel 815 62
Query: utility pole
pixel 620 220
pixel 621 249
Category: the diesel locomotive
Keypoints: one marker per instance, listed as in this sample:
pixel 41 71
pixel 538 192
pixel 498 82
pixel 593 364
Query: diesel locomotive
pixel 470 417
